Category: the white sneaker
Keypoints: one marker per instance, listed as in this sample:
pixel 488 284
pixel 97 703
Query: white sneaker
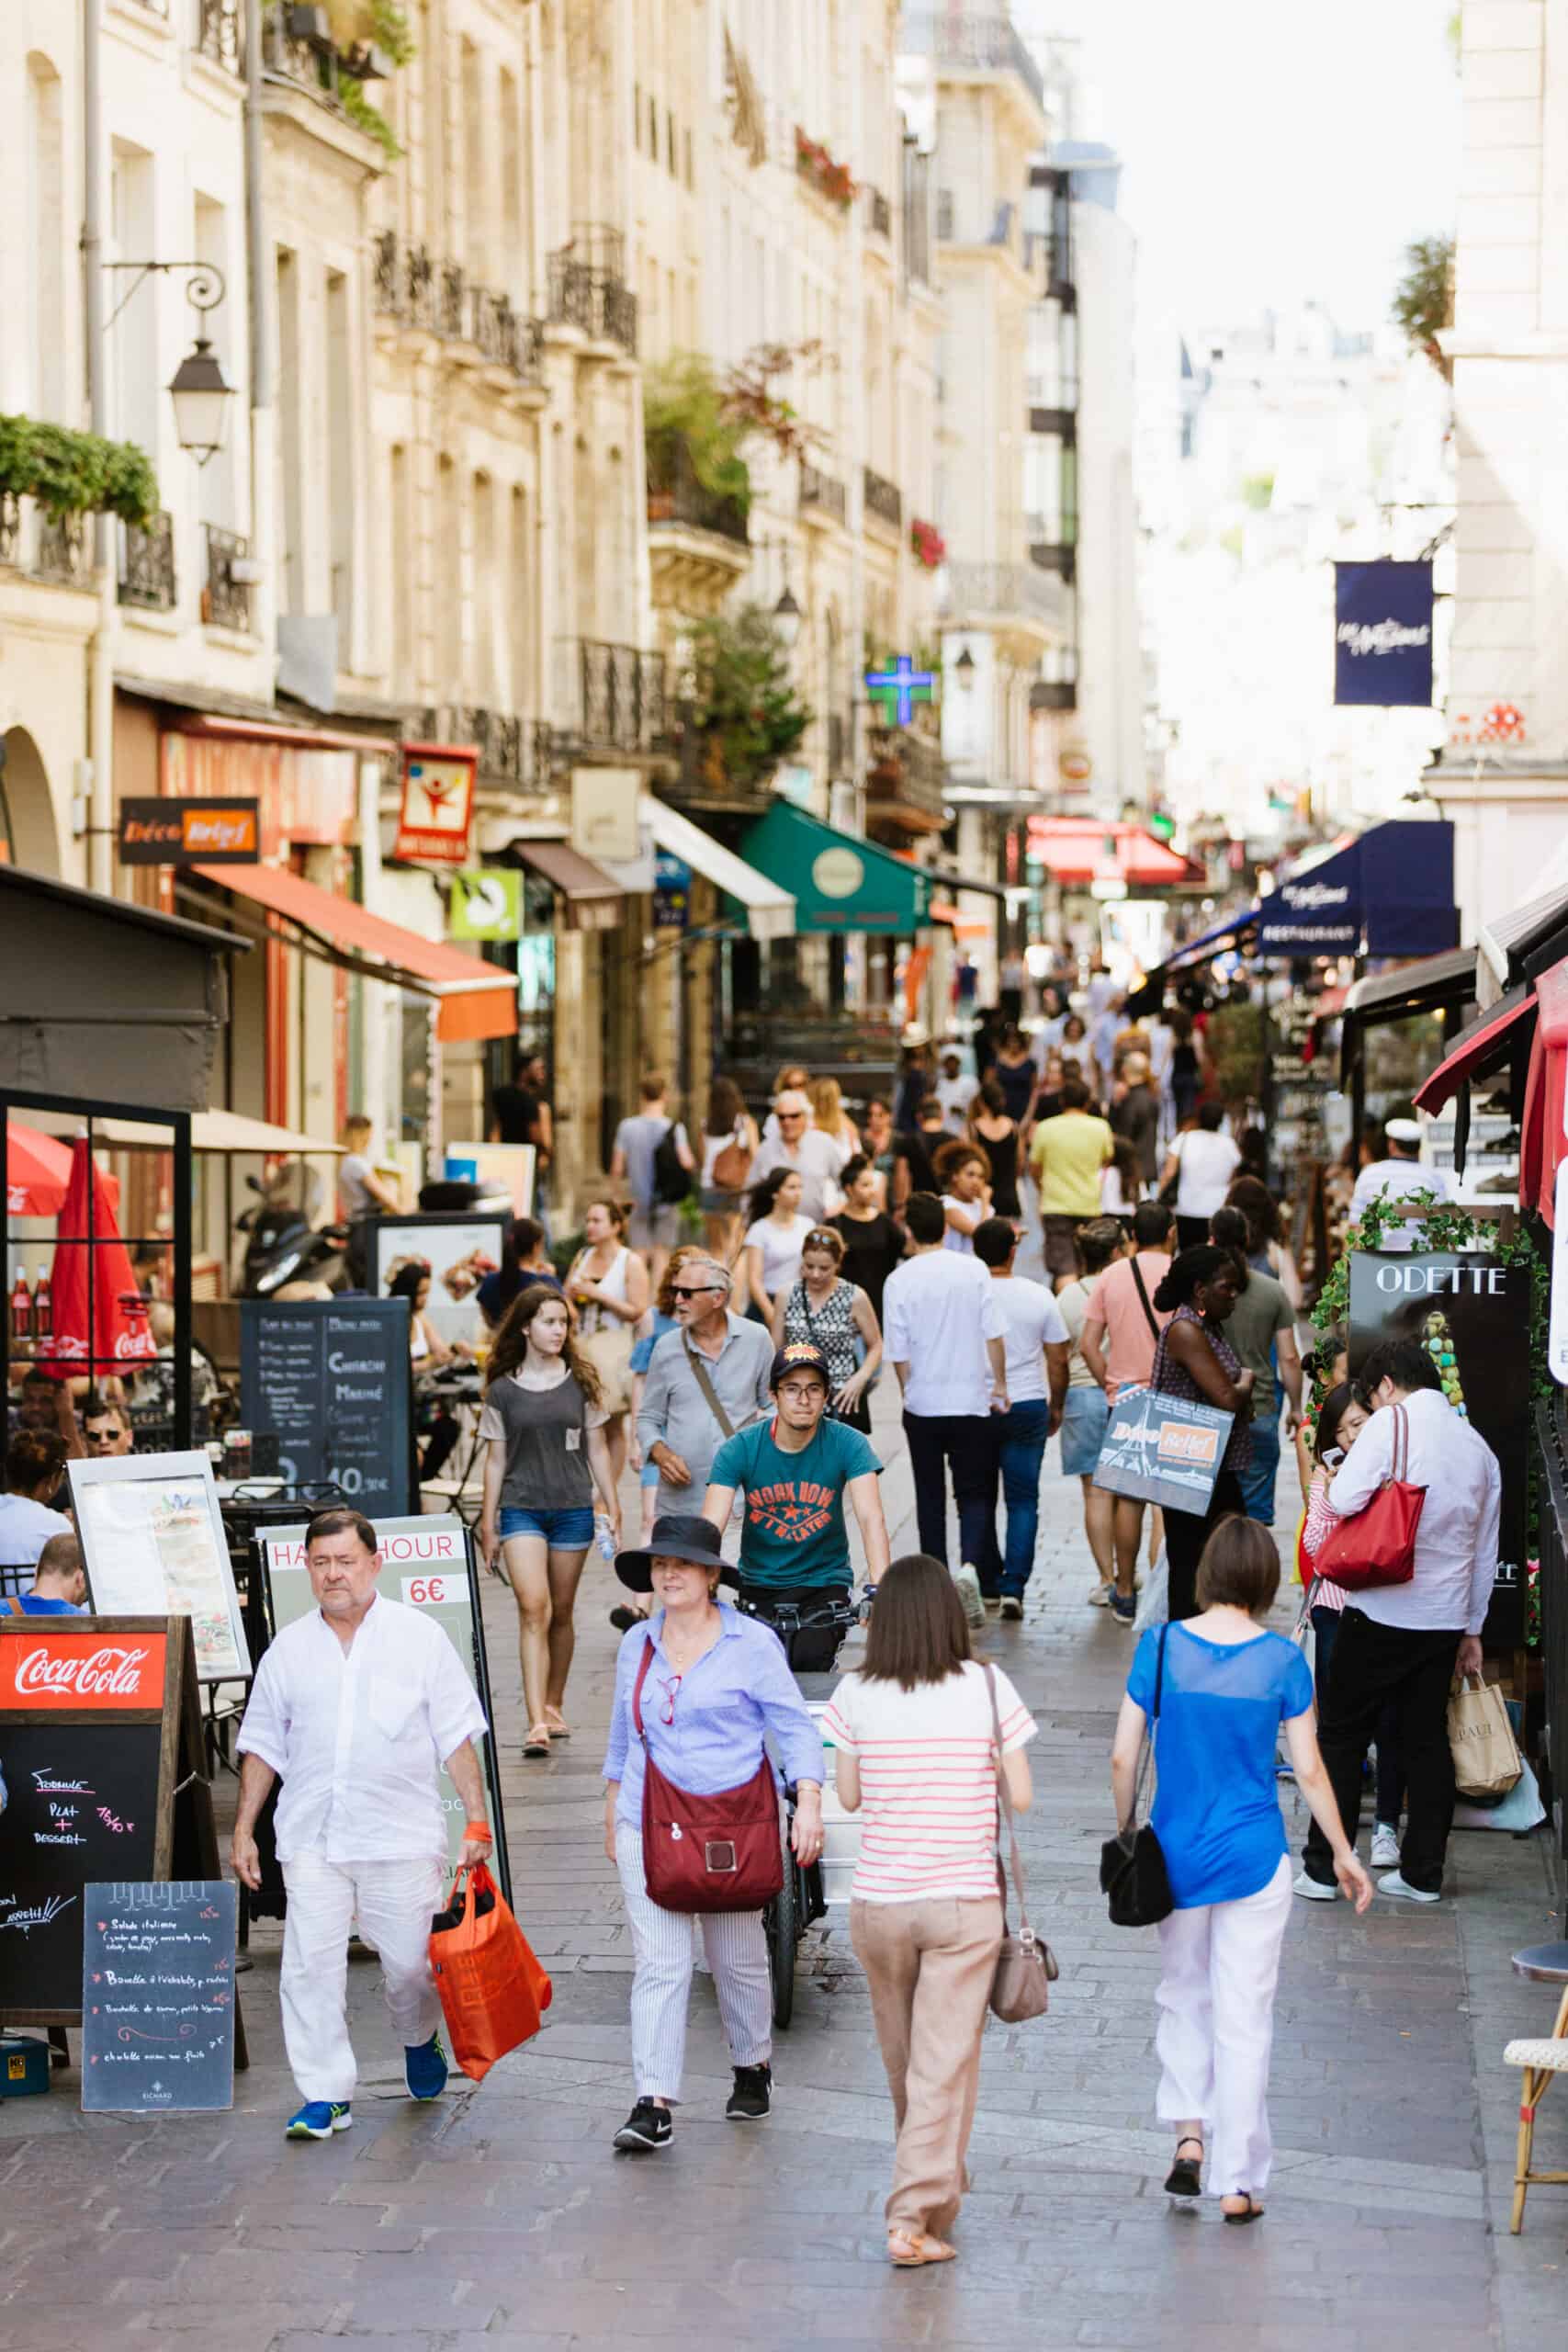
pixel 1099 1597
pixel 1385 1845
pixel 967 1580
pixel 1011 1605
pixel 1314 1891
pixel 1394 1885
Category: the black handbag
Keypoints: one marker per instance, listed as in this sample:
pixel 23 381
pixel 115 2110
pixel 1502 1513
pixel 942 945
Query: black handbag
pixel 1131 1864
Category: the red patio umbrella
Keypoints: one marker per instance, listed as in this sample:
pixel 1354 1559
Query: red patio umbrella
pixel 118 1335
pixel 38 1169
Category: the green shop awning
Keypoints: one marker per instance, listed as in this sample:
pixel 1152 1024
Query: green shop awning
pixel 839 883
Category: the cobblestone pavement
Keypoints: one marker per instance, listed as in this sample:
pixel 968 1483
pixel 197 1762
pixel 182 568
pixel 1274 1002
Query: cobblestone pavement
pixel 502 2216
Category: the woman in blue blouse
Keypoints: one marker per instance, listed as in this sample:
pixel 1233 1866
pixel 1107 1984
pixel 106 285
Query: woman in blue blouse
pixel 716 1683
pixel 1224 1688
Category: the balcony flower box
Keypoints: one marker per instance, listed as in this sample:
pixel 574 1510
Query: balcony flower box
pixel 829 177
pixel 927 545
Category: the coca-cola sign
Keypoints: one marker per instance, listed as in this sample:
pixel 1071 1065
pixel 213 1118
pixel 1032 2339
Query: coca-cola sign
pixel 77 1670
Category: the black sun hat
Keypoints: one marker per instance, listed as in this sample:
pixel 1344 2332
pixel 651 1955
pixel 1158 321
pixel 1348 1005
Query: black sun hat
pixel 679 1535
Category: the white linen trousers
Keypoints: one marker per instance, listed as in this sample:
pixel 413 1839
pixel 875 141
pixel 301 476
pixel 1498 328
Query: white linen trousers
pixel 1221 1963
pixel 665 1951
pixel 394 1903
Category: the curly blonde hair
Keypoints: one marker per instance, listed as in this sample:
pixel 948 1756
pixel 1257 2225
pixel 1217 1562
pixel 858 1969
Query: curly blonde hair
pixel 511 1342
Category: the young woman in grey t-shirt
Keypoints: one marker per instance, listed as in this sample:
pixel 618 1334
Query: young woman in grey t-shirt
pixel 543 1421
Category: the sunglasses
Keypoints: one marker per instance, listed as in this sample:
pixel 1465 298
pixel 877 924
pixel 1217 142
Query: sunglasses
pixel 671 1689
pixel 101 1437
pixel 692 1290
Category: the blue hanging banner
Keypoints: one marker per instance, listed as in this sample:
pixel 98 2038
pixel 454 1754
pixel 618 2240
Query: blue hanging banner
pixel 1382 634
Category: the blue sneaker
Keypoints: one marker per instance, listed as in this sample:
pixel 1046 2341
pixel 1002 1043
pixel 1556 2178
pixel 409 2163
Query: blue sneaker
pixel 424 2069
pixel 319 2119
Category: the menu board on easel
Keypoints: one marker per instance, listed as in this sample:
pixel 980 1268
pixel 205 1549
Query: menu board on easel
pixel 158 1996
pixel 154 1542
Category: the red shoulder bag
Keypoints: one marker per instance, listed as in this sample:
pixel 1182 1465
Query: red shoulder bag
pixel 1377 1544
pixel 714 1853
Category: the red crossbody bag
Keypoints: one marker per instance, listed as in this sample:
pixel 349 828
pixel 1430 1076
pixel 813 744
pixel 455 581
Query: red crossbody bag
pixel 1377 1544
pixel 708 1853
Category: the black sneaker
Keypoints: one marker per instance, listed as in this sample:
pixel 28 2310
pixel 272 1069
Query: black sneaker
pixel 646 2127
pixel 753 2095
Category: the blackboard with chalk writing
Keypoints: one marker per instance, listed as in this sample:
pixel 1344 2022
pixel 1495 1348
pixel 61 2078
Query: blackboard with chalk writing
pixel 84 1804
pixel 330 1379
pixel 158 1995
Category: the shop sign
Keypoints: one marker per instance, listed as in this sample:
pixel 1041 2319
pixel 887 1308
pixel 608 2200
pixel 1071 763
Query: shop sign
pixel 62 1668
pixel 605 812
pixel 1472 1311
pixel 189 832
pixel 671 892
pixel 1075 767
pixel 437 808
pixel 487 903
pixel 1382 634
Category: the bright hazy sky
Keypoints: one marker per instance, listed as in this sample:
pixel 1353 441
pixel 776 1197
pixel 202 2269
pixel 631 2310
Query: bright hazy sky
pixel 1275 150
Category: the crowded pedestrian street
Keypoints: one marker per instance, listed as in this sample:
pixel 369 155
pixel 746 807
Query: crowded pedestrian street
pixel 503 2216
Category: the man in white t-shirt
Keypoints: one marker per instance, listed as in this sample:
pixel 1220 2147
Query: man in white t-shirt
pixel 954 1092
pixel 1038 1349
pixel 816 1158
pixel 944 1338
pixel 1399 1176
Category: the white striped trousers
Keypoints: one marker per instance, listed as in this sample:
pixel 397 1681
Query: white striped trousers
pixel 738 1955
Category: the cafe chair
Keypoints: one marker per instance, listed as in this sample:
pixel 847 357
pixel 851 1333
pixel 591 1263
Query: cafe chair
pixel 1541 2060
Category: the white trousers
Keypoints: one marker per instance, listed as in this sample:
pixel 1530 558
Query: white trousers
pixel 662 1941
pixel 394 1902
pixel 1216 2029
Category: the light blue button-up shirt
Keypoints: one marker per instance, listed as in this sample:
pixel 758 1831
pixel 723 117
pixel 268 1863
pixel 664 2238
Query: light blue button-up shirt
pixel 719 1711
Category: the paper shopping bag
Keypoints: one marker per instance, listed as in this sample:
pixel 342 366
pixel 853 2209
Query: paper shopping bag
pixel 1487 1757
pixel 493 1992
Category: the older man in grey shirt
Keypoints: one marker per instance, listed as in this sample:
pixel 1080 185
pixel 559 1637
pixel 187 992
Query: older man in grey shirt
pixel 677 1428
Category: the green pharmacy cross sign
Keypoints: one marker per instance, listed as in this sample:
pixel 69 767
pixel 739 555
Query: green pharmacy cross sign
pixel 898 689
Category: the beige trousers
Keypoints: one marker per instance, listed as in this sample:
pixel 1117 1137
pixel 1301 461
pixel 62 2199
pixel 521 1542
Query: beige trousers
pixel 930 1967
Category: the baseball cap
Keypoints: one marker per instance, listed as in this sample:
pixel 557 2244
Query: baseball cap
pixel 800 1356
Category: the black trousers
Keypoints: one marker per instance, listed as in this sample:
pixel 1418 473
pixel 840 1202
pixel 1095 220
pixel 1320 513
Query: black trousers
pixel 1186 1532
pixel 965 1440
pixel 1192 1232
pixel 810 1649
pixel 1409 1669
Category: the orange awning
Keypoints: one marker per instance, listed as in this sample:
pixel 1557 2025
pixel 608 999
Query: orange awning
pixel 476 999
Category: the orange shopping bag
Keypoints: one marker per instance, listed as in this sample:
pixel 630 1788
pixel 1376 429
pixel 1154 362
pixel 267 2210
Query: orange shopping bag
pixel 493 1992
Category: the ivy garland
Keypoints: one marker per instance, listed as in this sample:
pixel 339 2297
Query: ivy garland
pixel 76 473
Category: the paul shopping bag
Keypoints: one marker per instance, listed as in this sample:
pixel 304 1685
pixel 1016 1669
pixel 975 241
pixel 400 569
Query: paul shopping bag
pixel 493 1992
pixel 1162 1449
pixel 1376 1545
pixel 1487 1762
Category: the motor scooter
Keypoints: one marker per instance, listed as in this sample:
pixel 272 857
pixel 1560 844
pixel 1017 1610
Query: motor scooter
pixel 282 1245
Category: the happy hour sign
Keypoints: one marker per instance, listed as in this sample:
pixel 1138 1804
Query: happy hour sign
pixel 158 1995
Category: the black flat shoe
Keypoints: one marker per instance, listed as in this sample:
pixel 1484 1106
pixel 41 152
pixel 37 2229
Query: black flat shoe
pixel 1184 2179
pixel 624 1619
pixel 1240 2221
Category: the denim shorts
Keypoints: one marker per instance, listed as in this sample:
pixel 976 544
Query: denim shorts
pixel 563 1531
pixel 1084 1413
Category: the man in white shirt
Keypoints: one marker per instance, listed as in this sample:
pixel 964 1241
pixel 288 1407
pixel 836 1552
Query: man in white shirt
pixel 35 1462
pixel 945 1338
pixel 1038 1349
pixel 816 1156
pixel 955 1092
pixel 1405 1643
pixel 354 1707
pixel 1399 1176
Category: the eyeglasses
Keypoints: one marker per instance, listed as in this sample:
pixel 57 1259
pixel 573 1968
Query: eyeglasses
pixel 693 1290
pixel 102 1437
pixel 671 1688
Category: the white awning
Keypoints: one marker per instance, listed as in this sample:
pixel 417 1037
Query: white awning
pixel 223 1131
pixel 770 911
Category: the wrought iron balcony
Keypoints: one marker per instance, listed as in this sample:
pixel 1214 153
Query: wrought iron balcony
pixel 219 32
pixel 514 752
pixel 436 298
pixel 225 601
pixel 971 40
pixel 821 494
pixel 588 288
pixel 879 213
pixel 675 496
pixel 906 769
pixel 451 309
pixel 505 337
pixel 61 552
pixel 614 695
pixel 883 499
pixel 1001 589
pixel 147 566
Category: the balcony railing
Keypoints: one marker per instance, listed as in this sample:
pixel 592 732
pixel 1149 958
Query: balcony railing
pixel 904 766
pixel 972 40
pixel 879 214
pixel 147 566
pixel 614 695
pixel 588 288
pixel 883 499
pixel 514 752
pixel 62 551
pixel 435 296
pixel 226 601
pixel 821 494
pixel 219 32
pixel 675 496
pixel 1003 588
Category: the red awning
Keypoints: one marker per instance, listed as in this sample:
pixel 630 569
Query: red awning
pixel 1079 852
pixel 476 999
pixel 1542 1143
pixel 1481 1047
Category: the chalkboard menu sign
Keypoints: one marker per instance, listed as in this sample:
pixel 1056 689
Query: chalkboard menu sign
pixel 158 1995
pixel 330 1379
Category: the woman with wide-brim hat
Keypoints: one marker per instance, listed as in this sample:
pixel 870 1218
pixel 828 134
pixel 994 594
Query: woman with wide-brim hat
pixel 716 1684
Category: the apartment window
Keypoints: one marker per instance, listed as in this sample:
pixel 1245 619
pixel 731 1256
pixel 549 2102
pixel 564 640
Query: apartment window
pixel 516 242
pixel 637 116
pixel 516 603
pixel 669 141
pixel 449 597
pixel 476 225
pixel 487 593
pixel 341 460
pixel 46 187
pixel 290 521
pixel 405 678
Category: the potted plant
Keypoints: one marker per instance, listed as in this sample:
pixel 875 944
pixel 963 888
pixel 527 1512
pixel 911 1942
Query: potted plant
pixel 743 703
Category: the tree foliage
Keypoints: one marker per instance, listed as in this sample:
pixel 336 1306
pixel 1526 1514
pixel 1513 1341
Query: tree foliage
pixel 743 700
pixel 76 473
pixel 684 414
pixel 1424 298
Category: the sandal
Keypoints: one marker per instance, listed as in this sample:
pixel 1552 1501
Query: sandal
pixel 1254 2212
pixel 536 1741
pixel 1185 2177
pixel 556 1723
pixel 912 2249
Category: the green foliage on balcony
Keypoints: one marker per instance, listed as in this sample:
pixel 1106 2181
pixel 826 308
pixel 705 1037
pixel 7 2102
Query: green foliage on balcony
pixel 1424 298
pixel 743 701
pixel 685 416
pixel 76 473
pixel 372 24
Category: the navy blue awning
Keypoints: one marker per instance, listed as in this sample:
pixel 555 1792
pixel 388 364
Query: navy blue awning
pixel 1389 891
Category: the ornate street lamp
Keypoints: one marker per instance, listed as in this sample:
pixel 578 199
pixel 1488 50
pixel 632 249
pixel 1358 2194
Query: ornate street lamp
pixel 200 394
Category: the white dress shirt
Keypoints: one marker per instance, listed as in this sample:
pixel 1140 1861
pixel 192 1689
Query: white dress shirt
pixel 1399 1179
pixel 1456 1543
pixel 938 1311
pixel 357 1737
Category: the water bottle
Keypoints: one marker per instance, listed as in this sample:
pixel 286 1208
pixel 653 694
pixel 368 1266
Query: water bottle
pixel 603 1537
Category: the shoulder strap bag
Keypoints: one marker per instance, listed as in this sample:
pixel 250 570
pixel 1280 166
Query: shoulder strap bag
pixel 1026 1966
pixel 721 1853
pixel 1376 1545
pixel 732 1166
pixel 1131 1864
pixel 704 1379
pixel 1144 1297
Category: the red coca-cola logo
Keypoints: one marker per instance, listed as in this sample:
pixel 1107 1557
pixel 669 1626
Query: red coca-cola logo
pixel 76 1670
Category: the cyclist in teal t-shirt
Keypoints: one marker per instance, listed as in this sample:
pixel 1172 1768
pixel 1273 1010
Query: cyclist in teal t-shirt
pixel 794 1473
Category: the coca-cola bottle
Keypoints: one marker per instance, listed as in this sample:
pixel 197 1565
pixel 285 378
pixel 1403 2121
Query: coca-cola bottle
pixel 43 1310
pixel 137 1339
pixel 21 1308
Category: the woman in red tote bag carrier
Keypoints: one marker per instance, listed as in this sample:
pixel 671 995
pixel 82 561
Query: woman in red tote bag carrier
pixel 691 1815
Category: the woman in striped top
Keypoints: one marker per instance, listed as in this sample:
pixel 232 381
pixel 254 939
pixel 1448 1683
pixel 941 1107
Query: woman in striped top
pixel 916 1752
